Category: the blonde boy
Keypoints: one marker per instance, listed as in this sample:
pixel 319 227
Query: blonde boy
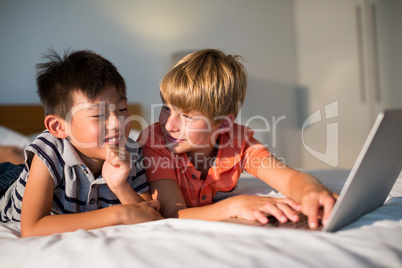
pixel 81 173
pixel 196 153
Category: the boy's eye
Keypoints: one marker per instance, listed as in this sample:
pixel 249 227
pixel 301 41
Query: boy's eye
pixel 187 117
pixel 123 110
pixel 98 115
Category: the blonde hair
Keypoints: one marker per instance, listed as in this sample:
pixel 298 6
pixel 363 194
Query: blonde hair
pixel 206 81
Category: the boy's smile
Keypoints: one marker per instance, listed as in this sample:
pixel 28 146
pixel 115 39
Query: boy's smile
pixel 115 141
pixel 173 140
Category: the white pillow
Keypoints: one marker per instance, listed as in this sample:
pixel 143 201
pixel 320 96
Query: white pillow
pixel 11 137
pixel 134 134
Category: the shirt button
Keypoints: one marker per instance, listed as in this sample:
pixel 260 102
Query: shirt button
pixel 92 201
pixel 194 177
pixel 86 171
pixel 204 197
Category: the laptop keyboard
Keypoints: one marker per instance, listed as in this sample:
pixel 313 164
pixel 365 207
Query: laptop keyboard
pixel 301 224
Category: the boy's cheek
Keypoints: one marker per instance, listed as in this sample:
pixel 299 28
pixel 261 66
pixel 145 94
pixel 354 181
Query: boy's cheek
pixel 163 117
pixel 90 135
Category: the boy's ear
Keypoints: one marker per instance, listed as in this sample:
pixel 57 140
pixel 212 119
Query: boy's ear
pixel 56 126
pixel 227 123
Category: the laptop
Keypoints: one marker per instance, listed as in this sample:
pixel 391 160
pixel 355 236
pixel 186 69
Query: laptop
pixel 371 178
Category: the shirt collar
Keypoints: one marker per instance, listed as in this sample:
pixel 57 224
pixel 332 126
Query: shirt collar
pixel 70 155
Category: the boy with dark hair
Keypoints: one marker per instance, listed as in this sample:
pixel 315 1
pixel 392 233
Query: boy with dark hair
pixel 196 153
pixel 81 173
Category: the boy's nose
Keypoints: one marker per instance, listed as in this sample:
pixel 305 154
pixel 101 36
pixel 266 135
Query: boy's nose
pixel 173 123
pixel 112 122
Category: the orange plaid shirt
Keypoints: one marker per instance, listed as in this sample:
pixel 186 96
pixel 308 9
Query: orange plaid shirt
pixel 238 151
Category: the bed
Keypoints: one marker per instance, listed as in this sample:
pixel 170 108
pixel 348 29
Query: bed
pixel 374 240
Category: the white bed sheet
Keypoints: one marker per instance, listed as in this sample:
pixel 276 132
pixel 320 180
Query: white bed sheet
pixel 375 240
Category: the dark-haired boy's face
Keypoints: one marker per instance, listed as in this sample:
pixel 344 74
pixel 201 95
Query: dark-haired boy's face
pixel 94 124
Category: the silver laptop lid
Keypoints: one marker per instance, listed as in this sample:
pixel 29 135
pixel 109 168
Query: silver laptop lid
pixel 374 172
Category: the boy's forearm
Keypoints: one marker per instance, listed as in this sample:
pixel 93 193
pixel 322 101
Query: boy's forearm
pixel 173 205
pixel 71 222
pixel 214 212
pixel 127 195
pixel 295 184
pixel 290 182
pixel 303 183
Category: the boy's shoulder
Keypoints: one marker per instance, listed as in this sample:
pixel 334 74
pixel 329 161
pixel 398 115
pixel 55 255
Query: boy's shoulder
pixel 46 139
pixel 237 135
pixel 46 146
pixel 241 131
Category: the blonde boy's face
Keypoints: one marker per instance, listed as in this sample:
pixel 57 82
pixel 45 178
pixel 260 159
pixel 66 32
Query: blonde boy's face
pixel 190 133
pixel 90 126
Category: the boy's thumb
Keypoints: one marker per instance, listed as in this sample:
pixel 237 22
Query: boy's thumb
pixel 155 204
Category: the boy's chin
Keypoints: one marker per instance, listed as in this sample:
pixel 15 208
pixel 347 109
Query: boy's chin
pixel 174 149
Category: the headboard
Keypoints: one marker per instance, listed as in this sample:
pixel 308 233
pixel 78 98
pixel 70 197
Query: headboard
pixel 28 118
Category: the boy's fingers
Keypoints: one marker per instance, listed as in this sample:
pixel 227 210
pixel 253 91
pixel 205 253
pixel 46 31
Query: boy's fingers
pixel 312 216
pixel 155 204
pixel 284 209
pixel 260 217
pixel 115 154
pixel 274 210
pixel 293 204
pixel 328 205
pixel 310 209
pixel 313 222
pixel 288 211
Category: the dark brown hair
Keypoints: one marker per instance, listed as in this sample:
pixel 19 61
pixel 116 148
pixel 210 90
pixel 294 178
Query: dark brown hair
pixel 83 70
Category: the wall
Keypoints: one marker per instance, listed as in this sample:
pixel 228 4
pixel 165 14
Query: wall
pixel 359 76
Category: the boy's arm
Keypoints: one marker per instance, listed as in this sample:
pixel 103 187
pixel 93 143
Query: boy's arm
pixel 37 203
pixel 115 170
pixel 168 192
pixel 169 195
pixel 146 196
pixel 316 200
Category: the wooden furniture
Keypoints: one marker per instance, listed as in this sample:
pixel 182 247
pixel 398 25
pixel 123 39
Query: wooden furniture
pixel 28 118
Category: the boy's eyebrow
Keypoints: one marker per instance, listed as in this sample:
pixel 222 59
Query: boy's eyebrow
pixel 95 106
pixel 122 98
